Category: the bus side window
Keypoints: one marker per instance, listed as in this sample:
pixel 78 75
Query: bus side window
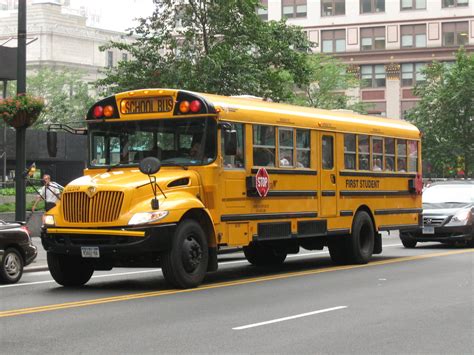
pixel 364 153
pixel 303 148
pixel 349 151
pixel 328 153
pixel 389 154
pixel 234 161
pixel 285 147
pixel 412 156
pixel 401 155
pixel 263 145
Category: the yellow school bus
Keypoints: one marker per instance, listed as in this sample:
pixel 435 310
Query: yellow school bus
pixel 173 176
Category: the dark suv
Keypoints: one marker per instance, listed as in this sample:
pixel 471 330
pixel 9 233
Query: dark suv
pixel 16 251
pixel 448 215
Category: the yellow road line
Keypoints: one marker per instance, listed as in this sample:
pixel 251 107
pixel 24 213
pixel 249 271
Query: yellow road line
pixel 133 296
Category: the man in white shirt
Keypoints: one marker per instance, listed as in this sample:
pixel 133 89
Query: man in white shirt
pixel 50 193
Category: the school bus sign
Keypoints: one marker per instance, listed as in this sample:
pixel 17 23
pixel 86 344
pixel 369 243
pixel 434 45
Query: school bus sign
pixel 262 182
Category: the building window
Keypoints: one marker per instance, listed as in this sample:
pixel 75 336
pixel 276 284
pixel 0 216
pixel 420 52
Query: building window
pixel 406 107
pixel 413 36
pixel 294 8
pixel 372 6
pixel 110 59
pixel 262 11
pixel 413 4
pixel 411 74
pixel 455 3
pixel 333 41
pixel 372 76
pixel 455 33
pixel 333 7
pixel 372 38
pixel 125 57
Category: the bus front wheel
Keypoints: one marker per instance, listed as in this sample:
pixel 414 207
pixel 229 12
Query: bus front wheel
pixel 361 243
pixel 260 255
pixel 69 270
pixel 185 264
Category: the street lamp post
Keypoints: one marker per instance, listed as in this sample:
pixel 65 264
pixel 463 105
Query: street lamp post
pixel 20 199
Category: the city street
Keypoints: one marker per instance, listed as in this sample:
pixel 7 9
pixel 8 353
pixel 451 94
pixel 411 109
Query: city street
pixel 405 301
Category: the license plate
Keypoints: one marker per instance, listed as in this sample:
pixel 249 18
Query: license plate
pixel 90 252
pixel 428 230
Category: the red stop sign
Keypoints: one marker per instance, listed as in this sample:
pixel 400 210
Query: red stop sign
pixel 262 182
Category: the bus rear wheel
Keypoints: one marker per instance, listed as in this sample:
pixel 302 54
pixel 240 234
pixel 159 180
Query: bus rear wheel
pixel 260 255
pixel 69 270
pixel 360 245
pixel 185 264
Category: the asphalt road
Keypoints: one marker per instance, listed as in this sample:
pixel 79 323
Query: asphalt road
pixel 405 301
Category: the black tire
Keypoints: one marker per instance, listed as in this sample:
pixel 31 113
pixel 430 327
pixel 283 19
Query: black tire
pixel 338 250
pixel 11 267
pixel 360 246
pixel 68 270
pixel 185 265
pixel 408 243
pixel 260 255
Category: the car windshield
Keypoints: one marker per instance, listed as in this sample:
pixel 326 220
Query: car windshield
pixel 177 141
pixel 449 194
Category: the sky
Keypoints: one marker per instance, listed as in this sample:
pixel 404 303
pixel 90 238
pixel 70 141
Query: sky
pixel 116 15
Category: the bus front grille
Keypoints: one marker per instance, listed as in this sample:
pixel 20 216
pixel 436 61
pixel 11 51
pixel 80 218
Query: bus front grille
pixel 104 206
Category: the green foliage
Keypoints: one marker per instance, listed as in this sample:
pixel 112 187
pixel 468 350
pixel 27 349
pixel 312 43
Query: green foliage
pixel 10 191
pixel 28 104
pixel 219 46
pixel 66 94
pixel 445 115
pixel 328 81
pixel 10 206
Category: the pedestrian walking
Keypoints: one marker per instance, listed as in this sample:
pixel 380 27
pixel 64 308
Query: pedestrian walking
pixel 50 193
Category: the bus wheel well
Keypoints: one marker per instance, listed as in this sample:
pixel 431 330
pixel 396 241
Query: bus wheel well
pixel 205 222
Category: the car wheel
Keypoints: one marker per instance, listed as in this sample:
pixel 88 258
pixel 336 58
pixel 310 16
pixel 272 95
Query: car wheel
pixel 69 270
pixel 408 243
pixel 185 264
pixel 360 246
pixel 11 267
pixel 260 255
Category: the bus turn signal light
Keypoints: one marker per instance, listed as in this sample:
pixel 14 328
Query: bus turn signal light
pixel 184 107
pixel 108 111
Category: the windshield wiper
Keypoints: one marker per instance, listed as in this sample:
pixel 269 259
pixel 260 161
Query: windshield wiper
pixel 117 164
pixel 171 163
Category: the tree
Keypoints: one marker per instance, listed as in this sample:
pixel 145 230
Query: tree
pixel 445 114
pixel 329 79
pixel 66 94
pixel 216 46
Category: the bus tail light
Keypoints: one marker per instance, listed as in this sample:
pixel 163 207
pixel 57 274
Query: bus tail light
pixel 195 106
pixel 98 112
pixel 184 107
pixel 108 111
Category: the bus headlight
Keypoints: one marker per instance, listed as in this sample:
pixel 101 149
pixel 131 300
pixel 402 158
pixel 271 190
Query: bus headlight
pixel 147 217
pixel 48 220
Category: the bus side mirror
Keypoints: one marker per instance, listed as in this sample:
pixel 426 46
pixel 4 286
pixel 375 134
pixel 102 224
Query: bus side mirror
pixel 52 143
pixel 150 166
pixel 230 142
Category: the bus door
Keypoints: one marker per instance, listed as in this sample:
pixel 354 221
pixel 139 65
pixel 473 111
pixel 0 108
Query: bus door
pixel 328 207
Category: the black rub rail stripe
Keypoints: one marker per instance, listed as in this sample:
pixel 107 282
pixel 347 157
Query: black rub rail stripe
pixel 398 211
pixel 376 174
pixel 346 213
pixel 276 193
pixel 328 193
pixel 342 231
pixel 265 216
pixel 287 171
pixel 374 193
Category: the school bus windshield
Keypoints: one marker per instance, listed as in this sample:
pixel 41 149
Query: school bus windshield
pixel 177 141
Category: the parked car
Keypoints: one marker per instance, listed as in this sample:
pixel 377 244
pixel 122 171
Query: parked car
pixel 16 251
pixel 448 215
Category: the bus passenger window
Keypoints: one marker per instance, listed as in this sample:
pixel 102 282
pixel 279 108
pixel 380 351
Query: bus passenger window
pixel 285 146
pixel 234 161
pixel 364 154
pixel 401 155
pixel 263 145
pixel 377 153
pixel 349 151
pixel 389 154
pixel 412 156
pixel 303 148
pixel 328 153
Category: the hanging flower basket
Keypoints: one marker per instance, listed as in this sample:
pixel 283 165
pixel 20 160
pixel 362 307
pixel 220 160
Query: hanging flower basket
pixel 21 110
